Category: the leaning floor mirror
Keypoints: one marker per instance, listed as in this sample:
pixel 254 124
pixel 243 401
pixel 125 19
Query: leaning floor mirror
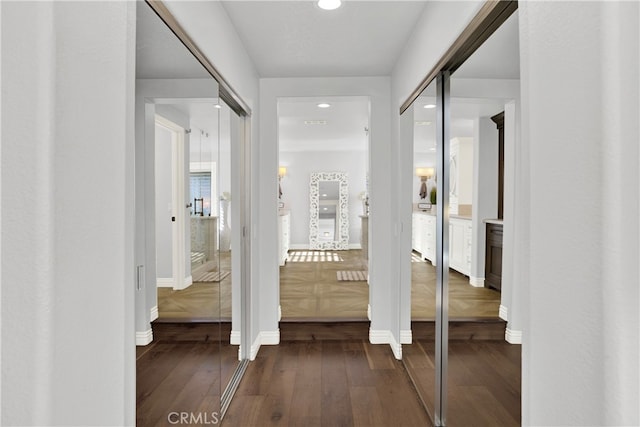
pixel 329 211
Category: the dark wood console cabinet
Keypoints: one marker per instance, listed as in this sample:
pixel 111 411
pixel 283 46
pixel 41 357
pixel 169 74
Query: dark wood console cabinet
pixel 493 257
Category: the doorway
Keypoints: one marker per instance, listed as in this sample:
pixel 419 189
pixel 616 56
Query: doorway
pixel 323 207
pixel 171 269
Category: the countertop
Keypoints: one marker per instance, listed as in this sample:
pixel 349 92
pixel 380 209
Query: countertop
pixel 494 221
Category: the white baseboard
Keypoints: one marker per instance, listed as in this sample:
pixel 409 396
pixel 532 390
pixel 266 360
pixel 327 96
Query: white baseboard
pixel 478 282
pixel 163 282
pixel 503 313
pixel 153 313
pixel 369 312
pixel 379 337
pixel 234 339
pixel 144 337
pixel 299 247
pixel 386 337
pixel 264 338
pixel 305 247
pixel 406 337
pixel 188 281
pixel 513 337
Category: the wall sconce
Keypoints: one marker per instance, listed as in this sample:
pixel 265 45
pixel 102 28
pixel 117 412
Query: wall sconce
pixel 424 174
pixel 282 172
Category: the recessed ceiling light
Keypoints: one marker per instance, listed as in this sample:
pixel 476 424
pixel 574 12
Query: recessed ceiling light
pixel 324 105
pixel 329 4
pixel 432 149
pixel 315 122
pixel 324 195
pixel 326 209
pixel 217 106
pixel 430 106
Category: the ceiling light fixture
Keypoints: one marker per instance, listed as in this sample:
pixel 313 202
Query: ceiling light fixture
pixel 217 106
pixel 315 122
pixel 324 105
pixel 430 106
pixel 329 4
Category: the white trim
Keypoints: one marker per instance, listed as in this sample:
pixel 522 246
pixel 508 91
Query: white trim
pixel 504 313
pixel 234 339
pixel 188 281
pixel 406 337
pixel 396 348
pixel 478 282
pixel 369 312
pixel 144 337
pixel 386 337
pixel 513 337
pixel 164 282
pixel 379 337
pixel 355 246
pixel 264 338
pixel 153 313
pixel 279 312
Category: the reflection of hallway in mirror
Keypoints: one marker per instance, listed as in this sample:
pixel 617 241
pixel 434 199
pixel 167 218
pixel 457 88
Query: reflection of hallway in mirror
pixel 201 300
pixel 310 289
pixel 465 301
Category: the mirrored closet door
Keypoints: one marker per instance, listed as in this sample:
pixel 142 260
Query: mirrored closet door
pixel 190 154
pixel 462 280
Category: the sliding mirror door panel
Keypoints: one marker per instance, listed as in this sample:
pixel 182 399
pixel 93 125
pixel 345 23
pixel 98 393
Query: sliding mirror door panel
pixel 483 366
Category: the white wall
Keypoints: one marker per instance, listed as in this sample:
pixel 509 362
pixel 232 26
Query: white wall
pixel 68 355
pixel 581 342
pixel 295 187
pixel 164 203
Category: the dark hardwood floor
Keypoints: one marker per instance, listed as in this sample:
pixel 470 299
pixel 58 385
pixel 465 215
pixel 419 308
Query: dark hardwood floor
pixel 484 380
pixel 326 383
pixel 325 375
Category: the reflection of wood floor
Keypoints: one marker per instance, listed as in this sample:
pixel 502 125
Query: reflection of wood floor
pixel 309 289
pixel 484 380
pixel 205 300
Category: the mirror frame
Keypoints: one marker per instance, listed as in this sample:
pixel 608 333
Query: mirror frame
pixel 342 215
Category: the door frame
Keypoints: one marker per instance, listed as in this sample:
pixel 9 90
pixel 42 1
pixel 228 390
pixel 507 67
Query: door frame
pixel 178 241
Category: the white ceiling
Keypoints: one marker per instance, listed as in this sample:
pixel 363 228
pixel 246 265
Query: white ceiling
pixel 159 53
pixel 346 120
pixel 295 38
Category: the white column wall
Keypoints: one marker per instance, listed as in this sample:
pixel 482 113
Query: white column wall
pixel 68 355
pixel 485 191
pixel 579 70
